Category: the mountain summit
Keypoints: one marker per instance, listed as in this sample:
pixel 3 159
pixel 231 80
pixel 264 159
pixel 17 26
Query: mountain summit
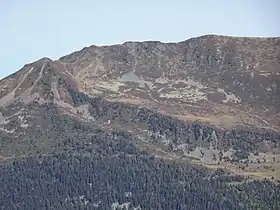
pixel 219 80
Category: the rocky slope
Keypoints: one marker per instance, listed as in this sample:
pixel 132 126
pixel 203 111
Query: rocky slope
pixel 212 98
pixel 223 81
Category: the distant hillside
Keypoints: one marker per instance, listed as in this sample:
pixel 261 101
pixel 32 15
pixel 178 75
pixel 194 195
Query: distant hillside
pixel 145 125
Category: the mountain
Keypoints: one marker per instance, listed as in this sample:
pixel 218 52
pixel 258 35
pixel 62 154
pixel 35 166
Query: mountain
pixel 207 105
pixel 207 77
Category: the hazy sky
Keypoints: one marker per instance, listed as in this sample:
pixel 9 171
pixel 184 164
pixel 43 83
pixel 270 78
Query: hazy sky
pixel 31 29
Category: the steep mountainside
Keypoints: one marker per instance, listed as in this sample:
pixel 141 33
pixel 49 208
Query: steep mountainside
pixel 217 84
pixel 212 101
pixel 220 80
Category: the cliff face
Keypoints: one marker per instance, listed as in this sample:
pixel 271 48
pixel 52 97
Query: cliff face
pixel 211 97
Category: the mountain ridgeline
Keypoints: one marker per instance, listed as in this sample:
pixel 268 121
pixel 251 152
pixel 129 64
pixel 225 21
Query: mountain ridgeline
pixel 145 125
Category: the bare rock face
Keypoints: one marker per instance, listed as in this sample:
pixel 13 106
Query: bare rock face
pixel 42 81
pixel 219 86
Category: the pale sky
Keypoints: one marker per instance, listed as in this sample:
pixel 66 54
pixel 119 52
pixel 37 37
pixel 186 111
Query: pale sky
pixel 31 29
